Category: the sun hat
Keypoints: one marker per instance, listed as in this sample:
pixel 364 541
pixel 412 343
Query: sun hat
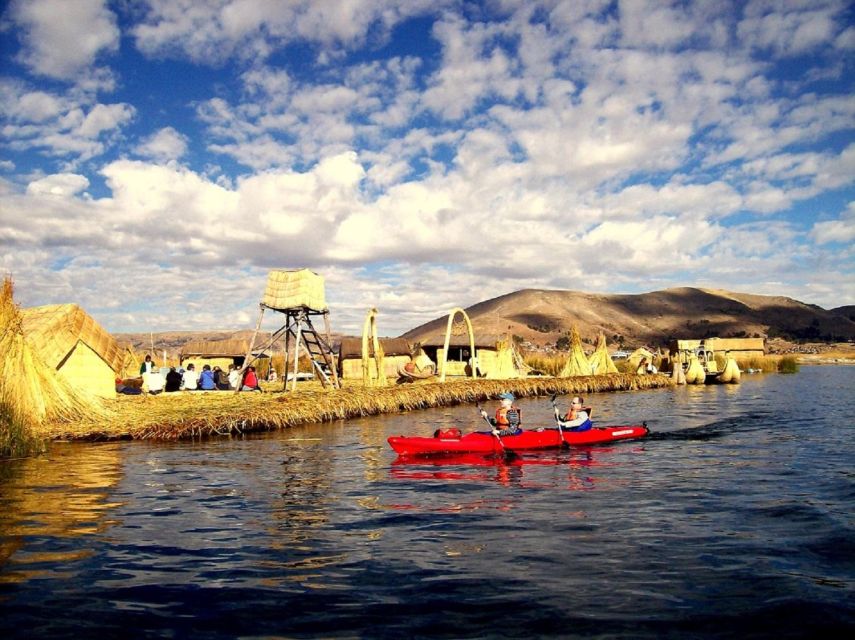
pixel 506 396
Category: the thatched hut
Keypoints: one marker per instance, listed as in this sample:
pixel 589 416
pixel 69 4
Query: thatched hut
pixel 216 353
pixel 642 354
pixel 495 356
pixel 396 352
pixel 577 363
pixel 600 361
pixel 80 349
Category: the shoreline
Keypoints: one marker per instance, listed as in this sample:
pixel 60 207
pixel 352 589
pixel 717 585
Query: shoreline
pixel 192 415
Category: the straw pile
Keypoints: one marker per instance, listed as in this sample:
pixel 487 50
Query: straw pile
pixel 197 414
pixel 600 361
pixel 577 363
pixel 34 390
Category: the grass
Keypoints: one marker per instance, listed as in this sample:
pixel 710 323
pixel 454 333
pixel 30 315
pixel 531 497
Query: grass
pixel 185 415
pixel 788 364
pixel 17 439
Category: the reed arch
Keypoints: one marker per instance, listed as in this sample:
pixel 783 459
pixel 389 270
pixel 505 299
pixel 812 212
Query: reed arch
pixel 451 316
pixel 369 333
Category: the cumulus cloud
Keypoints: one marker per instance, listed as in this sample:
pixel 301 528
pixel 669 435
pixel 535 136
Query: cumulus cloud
pixel 841 230
pixel 252 29
pixel 579 145
pixel 164 145
pixel 60 39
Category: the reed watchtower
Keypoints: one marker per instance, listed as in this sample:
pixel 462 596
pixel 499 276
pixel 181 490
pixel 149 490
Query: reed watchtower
pixel 299 295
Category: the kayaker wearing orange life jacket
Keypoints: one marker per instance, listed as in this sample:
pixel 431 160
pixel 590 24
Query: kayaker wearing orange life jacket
pixel 577 418
pixel 508 417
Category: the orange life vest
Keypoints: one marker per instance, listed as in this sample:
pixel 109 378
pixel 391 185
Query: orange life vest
pixel 508 417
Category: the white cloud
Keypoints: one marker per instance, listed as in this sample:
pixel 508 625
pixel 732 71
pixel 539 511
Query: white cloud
pixel 164 145
pixel 251 29
pixel 789 29
pixel 58 125
pixel 60 38
pixel 841 230
pixel 61 184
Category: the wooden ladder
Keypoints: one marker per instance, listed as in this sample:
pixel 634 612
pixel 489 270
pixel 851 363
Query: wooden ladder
pixel 319 351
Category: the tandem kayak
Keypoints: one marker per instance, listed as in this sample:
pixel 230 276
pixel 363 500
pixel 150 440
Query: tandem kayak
pixel 485 442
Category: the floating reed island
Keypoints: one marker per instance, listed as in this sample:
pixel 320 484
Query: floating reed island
pixel 190 415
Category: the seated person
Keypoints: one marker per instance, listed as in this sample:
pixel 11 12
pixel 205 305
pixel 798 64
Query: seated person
pixel 221 379
pixel 190 379
pixel 206 379
pixel 508 420
pixel 153 382
pixel 250 380
pixel 234 376
pixel 577 418
pixel 173 380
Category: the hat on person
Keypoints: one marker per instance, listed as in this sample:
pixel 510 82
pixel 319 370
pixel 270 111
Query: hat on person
pixel 506 396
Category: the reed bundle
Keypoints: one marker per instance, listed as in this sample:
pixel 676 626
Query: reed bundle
pixel 34 390
pixel 600 361
pixel 577 363
pixel 195 414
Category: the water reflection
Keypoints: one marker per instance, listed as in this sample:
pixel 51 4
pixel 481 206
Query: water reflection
pixel 576 470
pixel 46 501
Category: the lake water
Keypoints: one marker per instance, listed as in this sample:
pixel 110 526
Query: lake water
pixel 733 520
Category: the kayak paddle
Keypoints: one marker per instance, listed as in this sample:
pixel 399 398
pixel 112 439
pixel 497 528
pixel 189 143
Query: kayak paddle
pixel 508 454
pixel 564 444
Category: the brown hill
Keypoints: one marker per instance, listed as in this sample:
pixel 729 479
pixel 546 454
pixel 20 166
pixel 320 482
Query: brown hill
pixel 542 316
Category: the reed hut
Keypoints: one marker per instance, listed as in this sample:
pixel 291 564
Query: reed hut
pixel 396 353
pixel 638 356
pixel 72 342
pixel 32 391
pixel 495 356
pixel 577 363
pixel 216 353
pixel 600 361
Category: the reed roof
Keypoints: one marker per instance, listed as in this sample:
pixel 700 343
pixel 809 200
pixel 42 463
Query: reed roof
pixel 54 330
pixel 484 341
pixel 294 289
pixel 215 348
pixel 352 347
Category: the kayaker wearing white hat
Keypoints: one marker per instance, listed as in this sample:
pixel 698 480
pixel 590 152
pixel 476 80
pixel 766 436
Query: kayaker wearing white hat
pixel 508 418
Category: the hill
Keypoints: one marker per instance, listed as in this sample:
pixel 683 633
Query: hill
pixel 542 316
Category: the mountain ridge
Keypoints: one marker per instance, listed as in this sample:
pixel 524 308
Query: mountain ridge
pixel 541 316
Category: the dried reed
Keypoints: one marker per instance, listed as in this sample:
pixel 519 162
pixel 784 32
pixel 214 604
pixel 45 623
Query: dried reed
pixel 577 363
pixel 197 414
pixel 34 390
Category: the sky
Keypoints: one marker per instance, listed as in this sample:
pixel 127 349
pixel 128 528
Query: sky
pixel 159 157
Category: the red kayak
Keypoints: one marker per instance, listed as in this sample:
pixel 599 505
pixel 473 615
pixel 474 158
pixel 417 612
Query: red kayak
pixel 450 441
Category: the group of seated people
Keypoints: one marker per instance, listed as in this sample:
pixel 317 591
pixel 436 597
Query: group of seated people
pixel 180 379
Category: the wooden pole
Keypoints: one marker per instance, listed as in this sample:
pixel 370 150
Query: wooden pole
pixel 298 335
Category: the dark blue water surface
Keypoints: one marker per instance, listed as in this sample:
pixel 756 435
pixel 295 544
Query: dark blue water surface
pixel 734 519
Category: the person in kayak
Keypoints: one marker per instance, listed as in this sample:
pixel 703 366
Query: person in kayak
pixel 577 418
pixel 508 418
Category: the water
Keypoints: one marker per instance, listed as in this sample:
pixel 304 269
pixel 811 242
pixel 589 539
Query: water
pixel 735 519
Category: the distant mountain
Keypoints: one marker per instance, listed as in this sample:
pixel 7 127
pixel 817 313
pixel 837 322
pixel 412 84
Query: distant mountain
pixel 542 316
pixel 847 311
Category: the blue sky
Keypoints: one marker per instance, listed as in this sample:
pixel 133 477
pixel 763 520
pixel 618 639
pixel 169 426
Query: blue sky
pixel 159 156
